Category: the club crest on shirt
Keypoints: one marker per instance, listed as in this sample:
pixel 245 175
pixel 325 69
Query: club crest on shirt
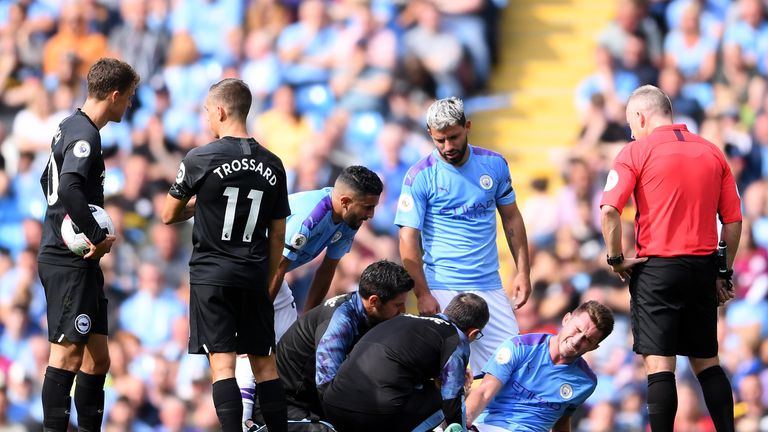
pixel 486 182
pixel 611 181
pixel 298 240
pixel 81 149
pixel 181 173
pixel 83 324
pixel 336 237
pixel 406 203
pixel 566 391
pixel 503 356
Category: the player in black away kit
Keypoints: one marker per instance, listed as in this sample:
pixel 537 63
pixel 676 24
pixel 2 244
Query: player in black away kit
pixel 74 285
pixel 236 190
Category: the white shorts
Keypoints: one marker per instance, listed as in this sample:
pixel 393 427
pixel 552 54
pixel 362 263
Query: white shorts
pixel 501 326
pixel 482 427
pixel 285 311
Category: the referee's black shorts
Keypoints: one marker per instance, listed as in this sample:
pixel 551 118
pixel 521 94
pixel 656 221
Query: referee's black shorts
pixel 230 319
pixel 674 306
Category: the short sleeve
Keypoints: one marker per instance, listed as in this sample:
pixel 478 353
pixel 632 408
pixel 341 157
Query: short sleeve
pixel 620 182
pixel 505 193
pixel 729 205
pixel 282 207
pixel 412 205
pixel 297 238
pixel 503 363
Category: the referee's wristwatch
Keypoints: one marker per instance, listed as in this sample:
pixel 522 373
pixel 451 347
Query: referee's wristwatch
pixel 615 260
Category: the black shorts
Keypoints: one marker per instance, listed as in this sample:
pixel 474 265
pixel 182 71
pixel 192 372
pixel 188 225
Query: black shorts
pixel 230 319
pixel 422 410
pixel 674 306
pixel 76 303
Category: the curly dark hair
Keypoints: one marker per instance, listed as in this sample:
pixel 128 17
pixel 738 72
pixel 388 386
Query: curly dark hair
pixel 384 279
pixel 361 180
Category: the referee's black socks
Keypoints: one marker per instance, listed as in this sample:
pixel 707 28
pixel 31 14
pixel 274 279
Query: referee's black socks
pixel 229 406
pixel 89 401
pixel 662 401
pixel 56 401
pixel 718 397
pixel 273 406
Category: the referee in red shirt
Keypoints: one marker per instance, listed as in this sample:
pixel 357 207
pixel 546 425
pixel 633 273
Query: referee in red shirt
pixel 680 183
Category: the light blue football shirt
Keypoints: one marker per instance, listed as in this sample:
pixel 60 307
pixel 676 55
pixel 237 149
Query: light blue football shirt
pixel 455 210
pixel 535 392
pixel 310 229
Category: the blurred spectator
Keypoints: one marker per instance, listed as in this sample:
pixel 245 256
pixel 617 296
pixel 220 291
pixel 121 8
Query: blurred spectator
pixel 282 129
pixel 464 20
pixel 74 42
pixel 751 413
pixel 632 17
pixel 688 110
pixel 34 126
pixel 306 54
pixel 689 413
pixel 540 213
pixel 612 84
pixel 424 65
pixel 166 251
pixel 149 312
pixel 141 46
pixel 269 16
pixel 635 59
pixel 693 54
pixel 741 44
pixel 260 70
pixel 213 25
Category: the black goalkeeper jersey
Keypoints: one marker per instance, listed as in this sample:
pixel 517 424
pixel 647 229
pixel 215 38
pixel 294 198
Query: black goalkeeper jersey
pixel 240 188
pixel 75 148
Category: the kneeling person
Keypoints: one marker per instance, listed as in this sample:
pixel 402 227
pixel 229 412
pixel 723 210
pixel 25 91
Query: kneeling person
pixel 311 351
pixel 390 380
pixel 511 397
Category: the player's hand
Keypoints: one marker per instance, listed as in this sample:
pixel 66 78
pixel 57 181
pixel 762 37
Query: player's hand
pixel 521 290
pixel 725 291
pixel 428 305
pixel 101 249
pixel 624 270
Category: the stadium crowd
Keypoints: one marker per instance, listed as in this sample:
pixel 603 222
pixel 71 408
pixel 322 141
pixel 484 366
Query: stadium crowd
pixel 342 82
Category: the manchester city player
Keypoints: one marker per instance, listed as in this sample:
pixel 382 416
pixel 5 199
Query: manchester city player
pixel 321 220
pixel 536 381
pixel 448 207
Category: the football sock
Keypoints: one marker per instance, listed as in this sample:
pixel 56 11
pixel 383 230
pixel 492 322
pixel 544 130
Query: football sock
pixel 662 401
pixel 273 406
pixel 89 401
pixel 718 397
pixel 229 407
pixel 56 401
